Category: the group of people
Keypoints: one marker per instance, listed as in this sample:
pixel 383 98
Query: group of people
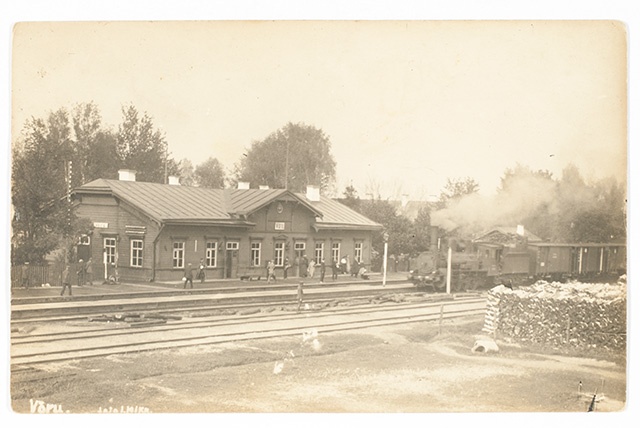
pixel 188 274
pixel 355 269
pixel 308 267
pixel 84 274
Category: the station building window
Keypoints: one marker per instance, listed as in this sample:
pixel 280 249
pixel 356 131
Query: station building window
pixel 300 248
pixel 256 248
pixel 358 252
pixel 335 251
pixel 178 255
pixel 319 252
pixel 137 247
pixel 110 250
pixel 211 253
pixel 278 254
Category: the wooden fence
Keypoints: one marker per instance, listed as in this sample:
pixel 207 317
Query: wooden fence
pixel 36 276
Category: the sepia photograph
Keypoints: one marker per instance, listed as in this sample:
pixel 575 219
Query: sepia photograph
pixel 317 216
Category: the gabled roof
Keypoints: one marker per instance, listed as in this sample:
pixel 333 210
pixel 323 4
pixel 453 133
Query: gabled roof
pixel 196 205
pixel 339 216
pixel 163 202
pixel 247 201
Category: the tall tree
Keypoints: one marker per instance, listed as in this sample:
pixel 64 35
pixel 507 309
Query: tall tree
pixel 102 159
pixel 399 228
pixel 422 229
pixel 455 189
pixel 210 173
pixel 87 123
pixel 142 147
pixel 186 173
pixel 590 212
pixel 39 185
pixel 292 157
pixel 350 198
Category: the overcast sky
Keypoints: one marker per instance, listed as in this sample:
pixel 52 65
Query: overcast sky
pixel 405 104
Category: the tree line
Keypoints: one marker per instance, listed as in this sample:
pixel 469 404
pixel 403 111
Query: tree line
pixel 68 149
pixel 568 209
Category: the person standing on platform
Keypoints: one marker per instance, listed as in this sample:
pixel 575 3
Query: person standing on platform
pixel 286 267
pixel 312 268
pixel 80 272
pixel 355 267
pixel 343 265
pixel 188 276
pixel 304 265
pixel 89 272
pixel 66 280
pixel 335 267
pixel 25 275
pixel 271 271
pixel 323 269
pixel 201 271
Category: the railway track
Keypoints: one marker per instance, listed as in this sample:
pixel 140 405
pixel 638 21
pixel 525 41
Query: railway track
pixel 31 310
pixel 77 341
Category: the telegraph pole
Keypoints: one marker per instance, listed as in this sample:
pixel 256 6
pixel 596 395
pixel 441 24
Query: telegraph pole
pixel 286 167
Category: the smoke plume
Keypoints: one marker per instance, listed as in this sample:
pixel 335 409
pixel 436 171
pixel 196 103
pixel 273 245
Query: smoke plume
pixel 524 196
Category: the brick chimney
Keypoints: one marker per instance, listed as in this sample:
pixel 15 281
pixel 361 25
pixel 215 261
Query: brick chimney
pixel 313 193
pixel 174 181
pixel 126 175
pixel 244 185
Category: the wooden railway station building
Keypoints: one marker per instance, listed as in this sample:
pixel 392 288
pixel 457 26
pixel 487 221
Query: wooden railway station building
pixel 151 231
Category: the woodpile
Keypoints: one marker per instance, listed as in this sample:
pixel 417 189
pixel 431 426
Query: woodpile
pixel 575 315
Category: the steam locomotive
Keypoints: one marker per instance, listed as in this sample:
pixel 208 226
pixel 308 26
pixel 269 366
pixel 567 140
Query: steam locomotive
pixel 504 256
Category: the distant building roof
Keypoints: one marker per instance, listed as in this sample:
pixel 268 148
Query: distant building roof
pixel 197 205
pixel 503 234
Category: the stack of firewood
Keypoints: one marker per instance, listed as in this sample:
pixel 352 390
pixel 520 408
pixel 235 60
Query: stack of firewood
pixel 559 315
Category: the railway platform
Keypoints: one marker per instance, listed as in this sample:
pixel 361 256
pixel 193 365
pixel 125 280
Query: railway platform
pixel 101 290
pixel 47 303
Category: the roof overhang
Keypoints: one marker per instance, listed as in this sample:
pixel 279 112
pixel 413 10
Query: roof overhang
pixel 346 226
pixel 207 222
pixel 578 244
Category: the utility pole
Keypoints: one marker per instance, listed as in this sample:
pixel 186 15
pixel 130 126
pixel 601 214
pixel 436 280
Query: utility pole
pixel 166 157
pixel 286 167
pixel 449 271
pixel 385 236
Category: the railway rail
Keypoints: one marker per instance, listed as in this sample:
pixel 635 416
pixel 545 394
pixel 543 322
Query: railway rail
pixel 86 340
pixel 30 310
